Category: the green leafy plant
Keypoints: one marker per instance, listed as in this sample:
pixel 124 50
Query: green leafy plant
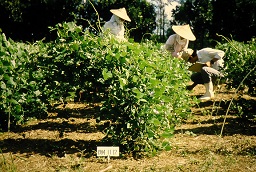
pixel 19 94
pixel 145 97
pixel 240 58
pixel 140 88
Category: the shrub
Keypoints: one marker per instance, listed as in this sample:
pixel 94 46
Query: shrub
pixel 240 71
pixel 20 97
pixel 240 59
pixel 140 88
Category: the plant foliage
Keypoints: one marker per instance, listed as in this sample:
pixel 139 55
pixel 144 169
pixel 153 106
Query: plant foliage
pixel 20 95
pixel 240 60
pixel 141 90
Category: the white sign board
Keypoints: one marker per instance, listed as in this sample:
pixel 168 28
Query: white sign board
pixel 107 151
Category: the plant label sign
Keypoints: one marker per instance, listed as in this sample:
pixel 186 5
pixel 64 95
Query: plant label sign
pixel 107 151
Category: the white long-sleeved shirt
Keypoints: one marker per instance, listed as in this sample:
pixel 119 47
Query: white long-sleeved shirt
pixel 207 54
pixel 175 45
pixel 116 27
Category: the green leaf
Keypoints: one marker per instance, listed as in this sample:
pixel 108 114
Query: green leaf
pixel 151 134
pixel 122 81
pixel 122 60
pixel 142 100
pixel 167 135
pixel 6 77
pixel 3 85
pixel 37 93
pixel 166 145
pixel 166 98
pixel 168 132
pixel 109 57
pixel 149 70
pixel 13 101
pixel 156 122
pixel 106 74
pixel 135 78
pixel 75 46
pixel 139 94
pixel 154 82
pixel 11 82
pixel 159 92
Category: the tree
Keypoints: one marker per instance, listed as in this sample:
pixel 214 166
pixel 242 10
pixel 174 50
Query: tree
pixel 141 12
pixel 198 14
pixel 231 18
pixel 162 21
pixel 28 20
pixel 238 20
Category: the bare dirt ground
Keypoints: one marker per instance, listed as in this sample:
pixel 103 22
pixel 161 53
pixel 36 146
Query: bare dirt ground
pixel 65 140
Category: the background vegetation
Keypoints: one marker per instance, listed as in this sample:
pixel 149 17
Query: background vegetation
pixel 29 20
pixel 233 19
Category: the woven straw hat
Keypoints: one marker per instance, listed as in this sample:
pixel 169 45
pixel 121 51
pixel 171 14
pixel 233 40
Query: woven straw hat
pixel 186 54
pixel 121 12
pixel 184 31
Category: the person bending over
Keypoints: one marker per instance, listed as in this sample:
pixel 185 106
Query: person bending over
pixel 211 70
pixel 177 43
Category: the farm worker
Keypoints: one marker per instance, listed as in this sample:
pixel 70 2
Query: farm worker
pixel 178 42
pixel 211 70
pixel 116 23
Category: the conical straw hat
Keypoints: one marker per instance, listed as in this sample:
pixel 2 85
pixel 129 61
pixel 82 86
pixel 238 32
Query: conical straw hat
pixel 184 31
pixel 121 12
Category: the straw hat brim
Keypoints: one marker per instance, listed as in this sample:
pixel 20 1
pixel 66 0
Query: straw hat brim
pixel 184 31
pixel 121 13
pixel 196 67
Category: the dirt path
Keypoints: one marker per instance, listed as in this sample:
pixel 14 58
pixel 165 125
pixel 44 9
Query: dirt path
pixel 64 141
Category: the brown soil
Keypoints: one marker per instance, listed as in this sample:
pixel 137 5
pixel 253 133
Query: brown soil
pixel 67 139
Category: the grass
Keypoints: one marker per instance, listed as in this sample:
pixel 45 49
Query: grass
pixel 7 165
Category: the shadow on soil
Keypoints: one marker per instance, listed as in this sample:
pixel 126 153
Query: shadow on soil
pixel 60 147
pixel 49 147
pixel 233 125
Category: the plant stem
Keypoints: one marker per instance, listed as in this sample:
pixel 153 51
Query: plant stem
pixel 222 128
pixel 9 120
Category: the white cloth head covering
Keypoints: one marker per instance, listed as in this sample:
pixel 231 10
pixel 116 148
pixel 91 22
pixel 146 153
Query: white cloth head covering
pixel 207 54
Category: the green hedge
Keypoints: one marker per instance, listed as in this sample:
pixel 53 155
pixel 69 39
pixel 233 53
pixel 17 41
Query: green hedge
pixel 141 89
pixel 240 59
pixel 20 96
pixel 240 72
